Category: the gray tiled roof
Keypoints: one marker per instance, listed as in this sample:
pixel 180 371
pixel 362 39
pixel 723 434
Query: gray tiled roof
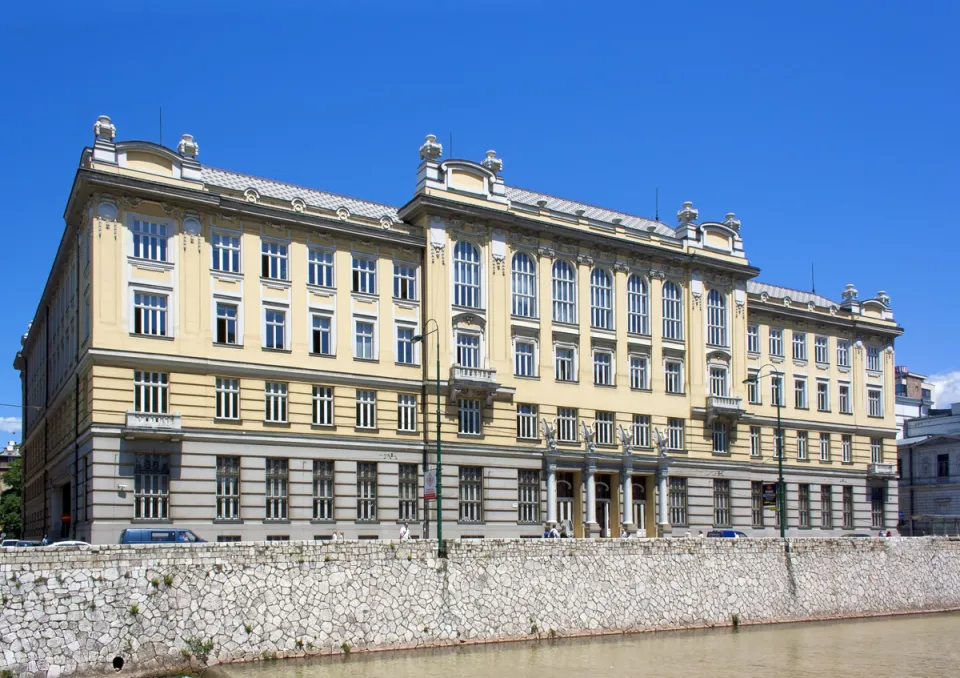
pixel 589 211
pixel 236 181
pixel 799 296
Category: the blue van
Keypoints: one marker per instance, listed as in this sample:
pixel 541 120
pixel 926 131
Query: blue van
pixel 727 534
pixel 158 535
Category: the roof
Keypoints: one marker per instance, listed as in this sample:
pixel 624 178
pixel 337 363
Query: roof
pixel 915 440
pixel 799 296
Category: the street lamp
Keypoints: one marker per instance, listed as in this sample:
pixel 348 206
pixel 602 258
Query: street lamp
pixel 419 338
pixel 778 443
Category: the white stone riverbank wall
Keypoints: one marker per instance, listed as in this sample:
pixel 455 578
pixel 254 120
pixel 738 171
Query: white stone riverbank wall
pixel 74 612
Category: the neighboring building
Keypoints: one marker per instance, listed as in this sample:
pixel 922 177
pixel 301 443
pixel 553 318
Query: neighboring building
pixel 8 455
pixel 929 464
pixel 238 356
pixel 914 396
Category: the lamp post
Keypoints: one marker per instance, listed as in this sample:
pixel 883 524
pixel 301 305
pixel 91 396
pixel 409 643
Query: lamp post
pixel 420 338
pixel 778 443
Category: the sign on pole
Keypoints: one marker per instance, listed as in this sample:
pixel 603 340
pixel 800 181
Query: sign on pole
pixel 430 485
pixel 770 496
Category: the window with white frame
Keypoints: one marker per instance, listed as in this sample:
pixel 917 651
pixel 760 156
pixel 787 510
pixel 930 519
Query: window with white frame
pixel 471 494
pixel 823 395
pixel 756 503
pixel 848 507
pixel 273 260
pixel 567 425
pixel 408 486
pixel 565 363
pixel 673 376
pixel 366 491
pixel 321 334
pixel 603 428
pixel 406 412
pixel 716 318
pixel 776 342
pixel 226 332
pixel 800 393
pixel 469 416
pixel 803 504
pixel 523 273
pixel 323 406
pixel 323 488
pixel 674 434
pixel 524 363
pixel 821 350
pixel 873 358
pixel 466 275
pixel 228 488
pixel 320 267
pixel 799 345
pixel 364 344
pixel 638 305
pixel 366 409
pixel 672 311
pixel 641 430
pixel 801 445
pixel 718 381
pixel 603 368
pixel 225 252
pixel 843 353
pixel 527 421
pixel 846 448
pixel 846 406
pixel 151 487
pixel 275 328
pixel 753 338
pixel 406 349
pixel 404 281
pixel 150 314
pixel 874 402
pixel 150 392
pixel 149 240
pixel 364 275
pixel 601 299
pixel 776 390
pixel 720 438
pixel 755 442
pixel 228 398
pixel 468 349
pixel 277 489
pixel 528 496
pixel 275 401
pixel 564 292
pixel 753 387
pixel 639 372
pixel 824 447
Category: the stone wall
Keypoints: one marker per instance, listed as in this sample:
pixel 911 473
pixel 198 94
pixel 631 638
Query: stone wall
pixel 75 612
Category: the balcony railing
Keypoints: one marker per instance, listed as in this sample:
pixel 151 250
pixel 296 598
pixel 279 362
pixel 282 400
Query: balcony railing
pixel 473 374
pixel 881 470
pixel 728 407
pixel 145 423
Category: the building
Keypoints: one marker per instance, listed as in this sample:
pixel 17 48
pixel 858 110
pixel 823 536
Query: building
pixel 241 357
pixel 914 396
pixel 8 455
pixel 929 465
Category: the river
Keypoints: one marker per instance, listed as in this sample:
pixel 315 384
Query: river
pixel 894 647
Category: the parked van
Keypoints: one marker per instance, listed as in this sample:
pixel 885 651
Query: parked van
pixel 152 535
pixel 727 534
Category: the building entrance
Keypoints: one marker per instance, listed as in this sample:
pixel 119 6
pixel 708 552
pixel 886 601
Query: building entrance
pixel 603 504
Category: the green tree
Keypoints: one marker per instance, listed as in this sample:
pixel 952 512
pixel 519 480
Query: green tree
pixel 10 516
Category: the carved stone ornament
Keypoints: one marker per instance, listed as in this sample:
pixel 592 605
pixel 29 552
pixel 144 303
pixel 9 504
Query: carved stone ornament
pixel 585 259
pixel 626 437
pixel 251 195
pixel 431 149
pixel 741 307
pixel 499 262
pixel 298 205
pixel 621 266
pixel 811 305
pixel 104 129
pixel 523 239
pixel 107 210
pixel 764 296
pixel 588 437
pixel 697 299
pixel 130 201
pixel 545 251
pixel 386 222
pixel 468 227
pixel 549 434
pixel 492 162
pixel 787 301
pixel 834 309
pixel 657 273
pixel 172 210
pixel 343 213
pixel 687 213
pixel 188 147
pixel 732 222
pixel 437 252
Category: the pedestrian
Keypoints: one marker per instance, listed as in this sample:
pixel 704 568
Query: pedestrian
pixel 45 541
pixel 334 537
pixel 554 532
pixel 880 534
pixel 688 534
pixel 700 536
pixel 404 532
pixel 623 533
pixel 889 533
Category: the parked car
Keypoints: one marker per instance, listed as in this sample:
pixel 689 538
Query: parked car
pixel 23 543
pixel 154 535
pixel 8 542
pixel 67 543
pixel 727 534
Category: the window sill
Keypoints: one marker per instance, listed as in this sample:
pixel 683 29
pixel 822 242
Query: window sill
pixel 321 288
pixel 642 389
pixel 223 344
pixel 406 364
pixel 754 402
pixel 228 521
pixel 800 362
pixel 468 309
pixel 875 416
pixel 605 385
pixel 797 407
pixel 847 413
pixel 226 420
pixel 827 462
pixel 363 429
pixel 823 366
pixel 401 300
pixel 150 264
pixel 527 377
pixel 638 335
pixel 525 318
pixel 843 368
pixel 276 424
pixel 230 276
pixel 469 436
pixel 331 521
pixel 823 411
pixel 674 393
pixel 753 354
pixel 566 327
pixel 803 461
pixel 276 521
pixel 276 350
pixel 366 522
pixel 569 444
pixel 527 440
pixel 366 360
pixel 874 373
pixel 158 337
pixel 365 296
pixel 276 283
pixel 722 454
pixel 152 521
pixel 674 343
pixel 408 434
pixel 322 355
pixel 566 381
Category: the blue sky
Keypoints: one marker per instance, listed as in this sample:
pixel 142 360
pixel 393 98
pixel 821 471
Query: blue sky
pixel 829 128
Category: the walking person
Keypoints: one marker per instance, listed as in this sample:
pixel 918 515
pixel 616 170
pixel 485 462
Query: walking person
pixel 554 532
pixel 404 532
pixel 45 541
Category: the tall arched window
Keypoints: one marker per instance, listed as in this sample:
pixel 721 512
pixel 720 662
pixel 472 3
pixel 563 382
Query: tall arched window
pixel 638 314
pixel 564 293
pixel 524 273
pixel 672 311
pixel 466 275
pixel 601 299
pixel 716 319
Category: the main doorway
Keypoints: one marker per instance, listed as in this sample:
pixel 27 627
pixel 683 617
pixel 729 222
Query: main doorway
pixel 603 504
pixel 565 502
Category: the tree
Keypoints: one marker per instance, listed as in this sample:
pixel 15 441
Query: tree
pixel 10 515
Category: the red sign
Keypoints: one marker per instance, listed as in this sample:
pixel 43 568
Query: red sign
pixel 65 518
pixel 430 485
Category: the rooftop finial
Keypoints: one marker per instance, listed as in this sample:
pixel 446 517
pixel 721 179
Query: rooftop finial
pixel 732 222
pixel 431 150
pixel 850 292
pixel 687 213
pixel 883 298
pixel 104 129
pixel 492 162
pixel 188 147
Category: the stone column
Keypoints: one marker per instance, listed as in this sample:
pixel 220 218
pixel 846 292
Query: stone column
pixel 627 494
pixel 591 527
pixel 551 492
pixel 662 493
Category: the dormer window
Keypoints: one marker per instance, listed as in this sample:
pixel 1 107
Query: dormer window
pixel 466 275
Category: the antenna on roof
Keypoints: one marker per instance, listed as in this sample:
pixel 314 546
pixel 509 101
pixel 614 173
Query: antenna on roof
pixel 161 125
pixel 657 205
pixel 813 280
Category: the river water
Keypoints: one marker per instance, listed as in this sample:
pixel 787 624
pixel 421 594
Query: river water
pixel 894 647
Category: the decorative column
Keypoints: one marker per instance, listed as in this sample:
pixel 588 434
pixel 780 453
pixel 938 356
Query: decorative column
pixel 627 495
pixel 662 490
pixel 551 492
pixel 591 528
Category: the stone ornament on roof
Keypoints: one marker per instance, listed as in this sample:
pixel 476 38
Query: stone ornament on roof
pixel 687 214
pixel 732 222
pixel 492 162
pixel 104 129
pixel 188 147
pixel 850 292
pixel 431 149
pixel 883 298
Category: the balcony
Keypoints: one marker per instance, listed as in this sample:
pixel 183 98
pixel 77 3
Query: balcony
pixel 724 407
pixel 878 470
pixel 473 382
pixel 147 425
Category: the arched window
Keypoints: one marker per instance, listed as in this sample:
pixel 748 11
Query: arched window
pixel 564 293
pixel 524 273
pixel 638 315
pixel 466 275
pixel 672 311
pixel 716 319
pixel 601 299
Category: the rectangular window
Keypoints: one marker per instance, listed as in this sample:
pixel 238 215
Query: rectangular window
pixel 366 409
pixel 150 314
pixel 323 406
pixel 803 504
pixel 363 344
pixel 408 491
pixel 826 507
pixel 603 368
pixel 273 260
pixel 843 353
pixel 943 465
pixel 528 497
pixel 845 406
pixel 364 275
pixel 228 488
pixel 321 334
pixel 848 508
pixel 320 267
pixel 776 342
pixel 824 447
pixel 641 430
pixel 527 421
pixel 471 494
pixel 678 501
pixel 876 450
pixel 846 447
pixel 800 393
pixel 226 324
pixel 366 491
pixel 150 392
pixel 151 489
pixel 673 376
pixel 468 350
pixel 604 428
pixel 524 362
pixel 799 345
pixel 778 443
pixel 718 381
pixel 323 488
pixel 720 438
pixel 875 402
pixel 149 240
pixel 753 388
pixel 275 402
pixel 823 396
pixel 639 372
pixel 228 398
pixel 756 503
pixel 277 489
pixel 753 338
pixel 405 346
pixel 406 412
pixel 405 281
pixel 469 419
pixel 225 249
pixel 755 442
pixel 877 513
pixel 873 359
pixel 565 364
pixel 675 434
pixel 275 329
pixel 801 445
pixel 566 424
pixel 721 502
pixel 776 390
pixel 821 349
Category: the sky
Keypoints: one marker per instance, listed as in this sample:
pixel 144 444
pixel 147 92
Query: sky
pixel 829 128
